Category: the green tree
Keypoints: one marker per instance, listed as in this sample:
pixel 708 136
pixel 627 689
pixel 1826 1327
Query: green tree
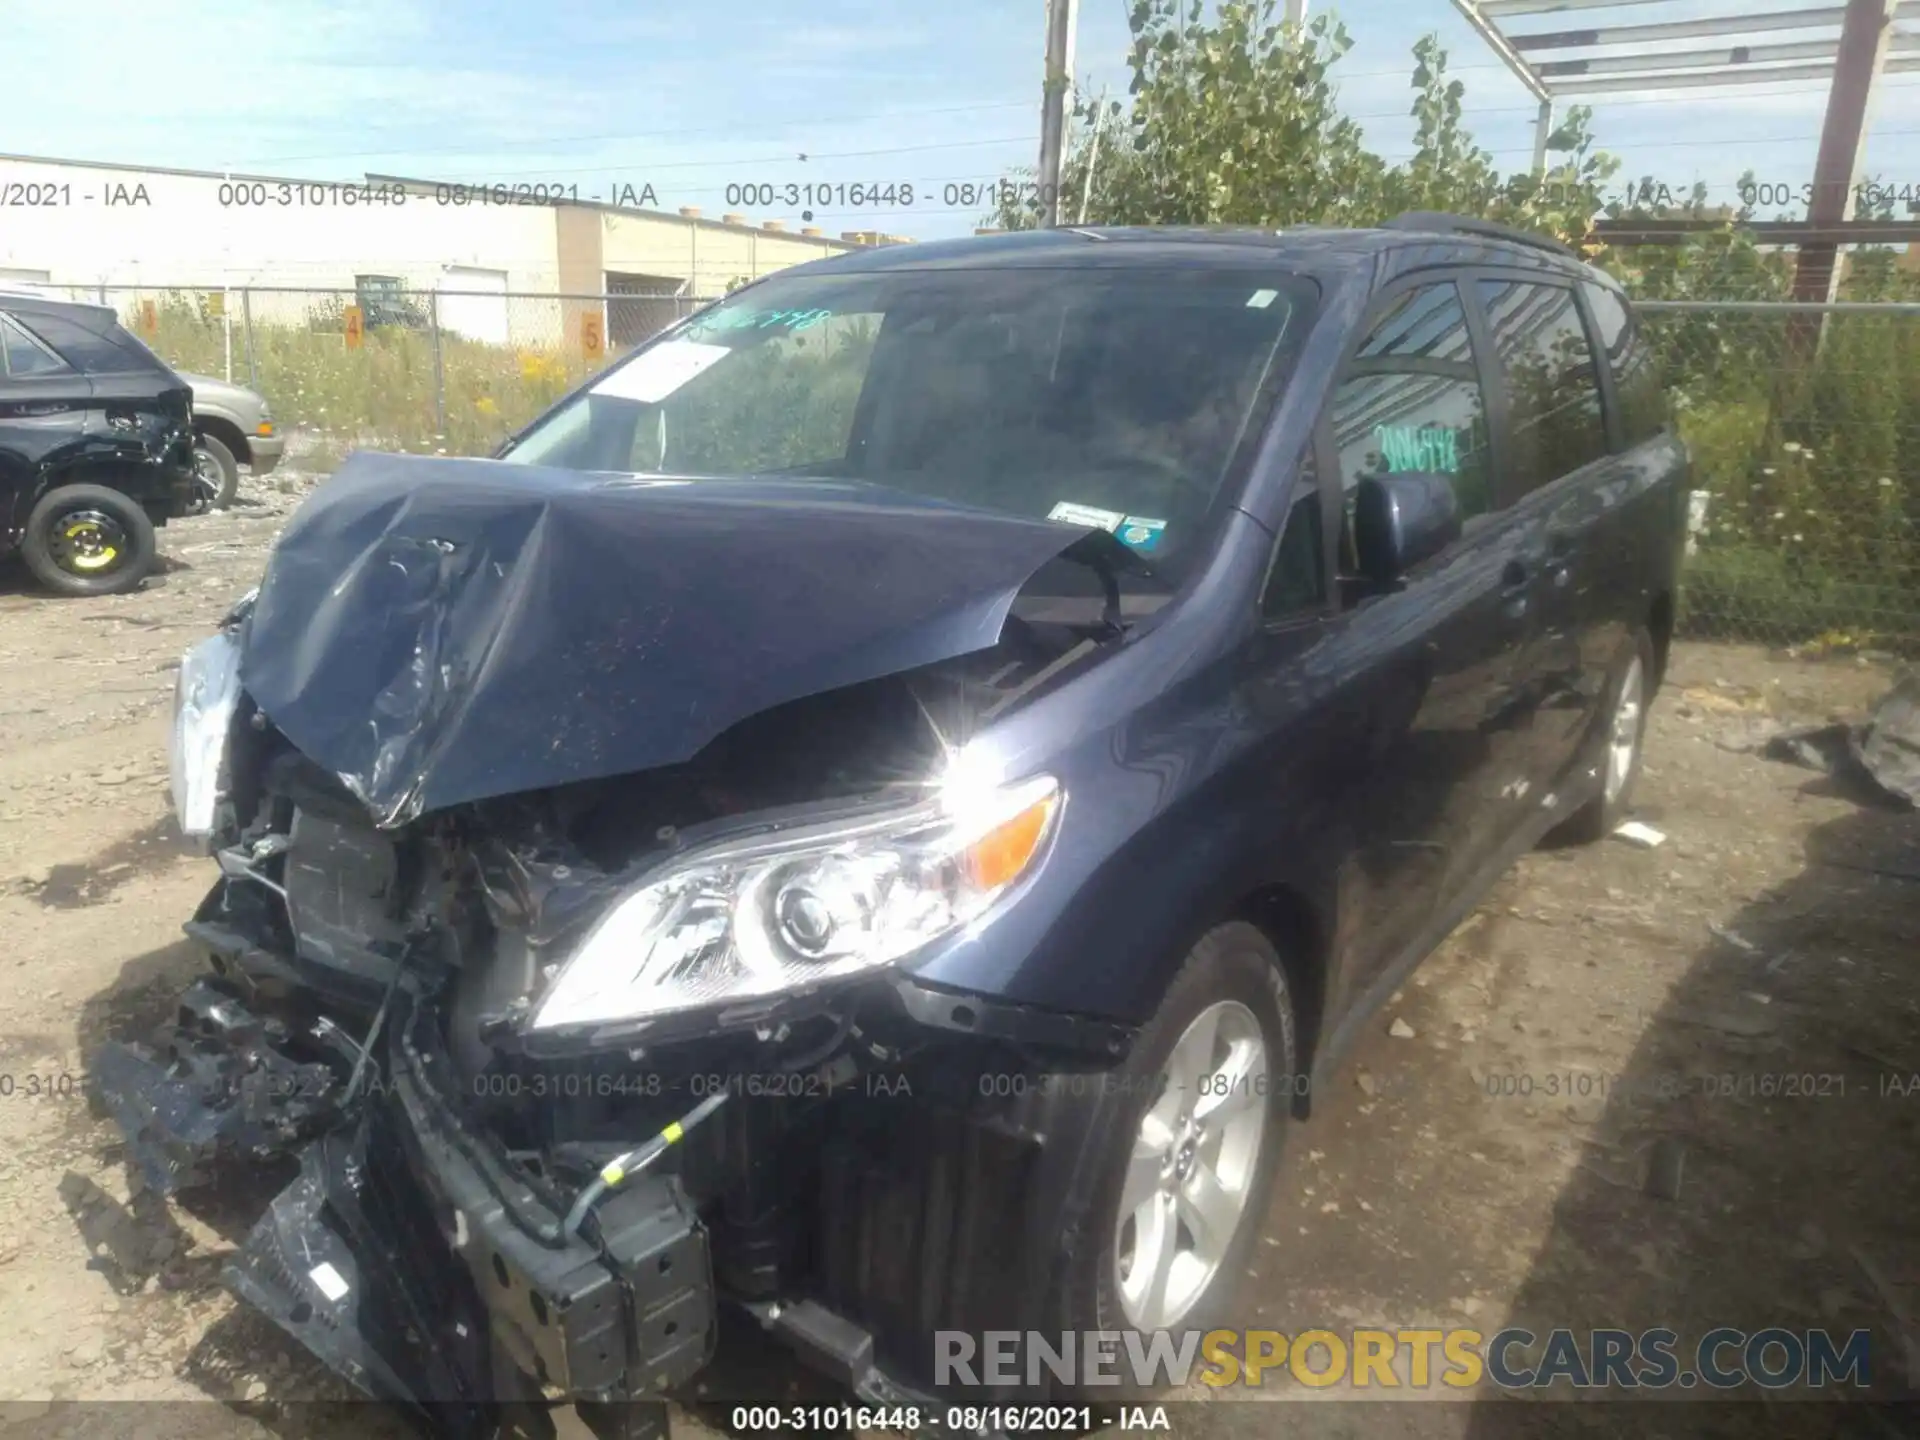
pixel 1234 120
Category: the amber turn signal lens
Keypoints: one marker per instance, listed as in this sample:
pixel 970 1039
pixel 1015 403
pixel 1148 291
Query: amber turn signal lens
pixel 265 427
pixel 998 857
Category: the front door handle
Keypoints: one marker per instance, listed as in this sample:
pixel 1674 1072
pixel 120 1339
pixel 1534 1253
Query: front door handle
pixel 1516 582
pixel 1560 551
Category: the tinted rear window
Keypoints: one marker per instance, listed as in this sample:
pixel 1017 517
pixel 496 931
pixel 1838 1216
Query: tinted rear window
pixel 1636 377
pixel 24 356
pixel 1553 392
pixel 107 350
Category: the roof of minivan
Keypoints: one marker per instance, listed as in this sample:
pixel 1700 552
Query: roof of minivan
pixel 1308 250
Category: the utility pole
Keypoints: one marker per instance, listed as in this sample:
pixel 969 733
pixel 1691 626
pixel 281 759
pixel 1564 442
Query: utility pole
pixel 1542 132
pixel 1061 18
pixel 1296 12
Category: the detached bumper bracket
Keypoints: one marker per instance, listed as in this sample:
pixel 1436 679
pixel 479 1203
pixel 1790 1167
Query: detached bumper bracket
pixel 219 1079
pixel 373 1299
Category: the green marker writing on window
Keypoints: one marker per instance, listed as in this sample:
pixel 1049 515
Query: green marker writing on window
pixel 1419 447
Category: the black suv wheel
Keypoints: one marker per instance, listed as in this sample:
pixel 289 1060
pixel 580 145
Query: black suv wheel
pixel 88 540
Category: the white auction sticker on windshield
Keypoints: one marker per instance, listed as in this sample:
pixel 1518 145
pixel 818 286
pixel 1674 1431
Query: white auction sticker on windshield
pixel 1085 515
pixel 653 375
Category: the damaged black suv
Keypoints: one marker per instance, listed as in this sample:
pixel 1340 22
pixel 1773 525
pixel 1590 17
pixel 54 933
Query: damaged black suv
pixel 877 812
pixel 96 446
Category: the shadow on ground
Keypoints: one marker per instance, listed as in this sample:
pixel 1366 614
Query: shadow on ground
pixel 1756 1165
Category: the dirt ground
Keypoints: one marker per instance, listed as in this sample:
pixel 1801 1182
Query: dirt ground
pixel 1486 1168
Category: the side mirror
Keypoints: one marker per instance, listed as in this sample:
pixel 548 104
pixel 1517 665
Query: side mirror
pixel 1402 519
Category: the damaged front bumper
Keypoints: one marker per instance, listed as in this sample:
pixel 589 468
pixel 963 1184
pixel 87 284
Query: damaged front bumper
pixel 392 1256
pixel 415 1258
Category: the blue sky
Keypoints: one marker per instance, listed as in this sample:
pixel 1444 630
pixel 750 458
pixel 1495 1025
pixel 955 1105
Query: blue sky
pixel 693 97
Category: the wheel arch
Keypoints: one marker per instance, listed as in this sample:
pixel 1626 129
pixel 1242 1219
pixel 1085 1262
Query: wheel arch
pixel 226 432
pixel 1299 934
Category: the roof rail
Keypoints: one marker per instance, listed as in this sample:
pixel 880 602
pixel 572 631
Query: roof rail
pixel 1443 223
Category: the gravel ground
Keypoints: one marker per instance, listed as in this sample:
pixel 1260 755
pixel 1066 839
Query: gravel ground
pixel 1762 939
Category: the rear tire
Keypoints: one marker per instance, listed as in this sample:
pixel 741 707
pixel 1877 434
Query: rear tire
pixel 1629 689
pixel 88 540
pixel 216 475
pixel 1173 1164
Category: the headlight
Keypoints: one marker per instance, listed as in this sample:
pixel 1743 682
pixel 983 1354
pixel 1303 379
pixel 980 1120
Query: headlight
pixel 783 911
pixel 204 697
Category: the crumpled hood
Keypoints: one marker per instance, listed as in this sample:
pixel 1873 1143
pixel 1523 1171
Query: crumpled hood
pixel 437 631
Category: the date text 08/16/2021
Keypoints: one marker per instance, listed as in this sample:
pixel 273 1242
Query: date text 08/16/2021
pixel 1010 1420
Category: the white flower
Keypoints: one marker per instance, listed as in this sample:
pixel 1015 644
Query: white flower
pixel 1886 480
pixel 1797 539
pixel 1779 514
pixel 1792 447
pixel 1766 470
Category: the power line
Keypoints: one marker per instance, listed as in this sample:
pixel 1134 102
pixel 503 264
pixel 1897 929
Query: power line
pixel 969 108
pixel 639 136
pixel 799 156
pixel 632 137
pixel 786 159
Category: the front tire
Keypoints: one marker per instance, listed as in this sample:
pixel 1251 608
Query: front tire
pixel 89 540
pixel 216 475
pixel 1183 1162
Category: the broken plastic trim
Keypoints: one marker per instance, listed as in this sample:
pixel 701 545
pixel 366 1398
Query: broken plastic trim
pixel 220 1080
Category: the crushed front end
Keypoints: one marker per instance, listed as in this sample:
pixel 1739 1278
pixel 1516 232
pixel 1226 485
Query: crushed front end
pixel 550 1104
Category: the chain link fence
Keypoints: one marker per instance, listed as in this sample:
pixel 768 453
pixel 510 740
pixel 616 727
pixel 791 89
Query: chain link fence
pixel 440 371
pixel 1804 425
pixel 1803 420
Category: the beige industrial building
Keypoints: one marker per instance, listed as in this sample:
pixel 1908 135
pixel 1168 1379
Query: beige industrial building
pixel 88 224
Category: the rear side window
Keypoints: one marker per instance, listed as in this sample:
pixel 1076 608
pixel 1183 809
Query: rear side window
pixel 113 352
pixel 1636 377
pixel 1411 400
pixel 22 356
pixel 1553 390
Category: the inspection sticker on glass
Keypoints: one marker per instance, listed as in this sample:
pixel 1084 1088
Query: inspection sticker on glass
pixel 653 375
pixel 1141 533
pixel 1261 299
pixel 1086 515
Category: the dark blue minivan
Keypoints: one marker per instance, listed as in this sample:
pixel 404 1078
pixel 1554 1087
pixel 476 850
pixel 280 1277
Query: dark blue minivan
pixel 874 815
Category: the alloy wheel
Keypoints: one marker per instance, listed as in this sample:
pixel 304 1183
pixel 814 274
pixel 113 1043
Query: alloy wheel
pixel 1623 743
pixel 1192 1167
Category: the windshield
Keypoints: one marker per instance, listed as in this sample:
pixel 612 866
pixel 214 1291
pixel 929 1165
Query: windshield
pixel 1117 398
